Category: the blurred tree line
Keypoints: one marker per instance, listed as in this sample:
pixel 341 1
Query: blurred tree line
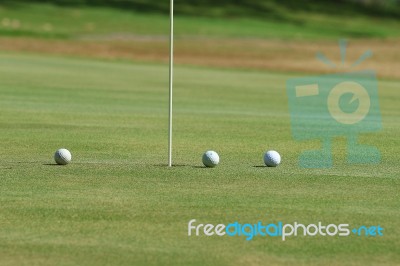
pixel 234 8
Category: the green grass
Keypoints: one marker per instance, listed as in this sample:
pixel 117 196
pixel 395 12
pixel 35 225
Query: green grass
pixel 47 21
pixel 117 203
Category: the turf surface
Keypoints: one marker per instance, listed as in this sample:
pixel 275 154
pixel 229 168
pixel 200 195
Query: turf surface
pixel 118 204
pixel 49 21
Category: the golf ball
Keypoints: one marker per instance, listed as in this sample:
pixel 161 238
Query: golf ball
pixel 62 156
pixel 210 159
pixel 272 158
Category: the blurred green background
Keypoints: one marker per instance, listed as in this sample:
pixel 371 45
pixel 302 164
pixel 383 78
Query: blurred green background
pixel 272 8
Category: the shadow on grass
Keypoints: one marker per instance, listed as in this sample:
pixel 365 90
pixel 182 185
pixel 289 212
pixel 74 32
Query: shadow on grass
pixel 51 164
pixel 25 162
pixel 15 164
pixel 178 165
pixel 174 165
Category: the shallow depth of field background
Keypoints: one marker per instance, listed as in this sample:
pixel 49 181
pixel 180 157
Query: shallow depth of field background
pixel 92 76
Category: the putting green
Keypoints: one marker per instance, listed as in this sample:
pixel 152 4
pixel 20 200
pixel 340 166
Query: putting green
pixel 117 203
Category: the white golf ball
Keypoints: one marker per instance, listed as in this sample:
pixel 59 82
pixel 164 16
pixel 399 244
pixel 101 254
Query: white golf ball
pixel 272 158
pixel 210 158
pixel 62 156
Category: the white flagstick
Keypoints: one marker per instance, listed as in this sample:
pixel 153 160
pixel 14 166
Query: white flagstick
pixel 171 72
